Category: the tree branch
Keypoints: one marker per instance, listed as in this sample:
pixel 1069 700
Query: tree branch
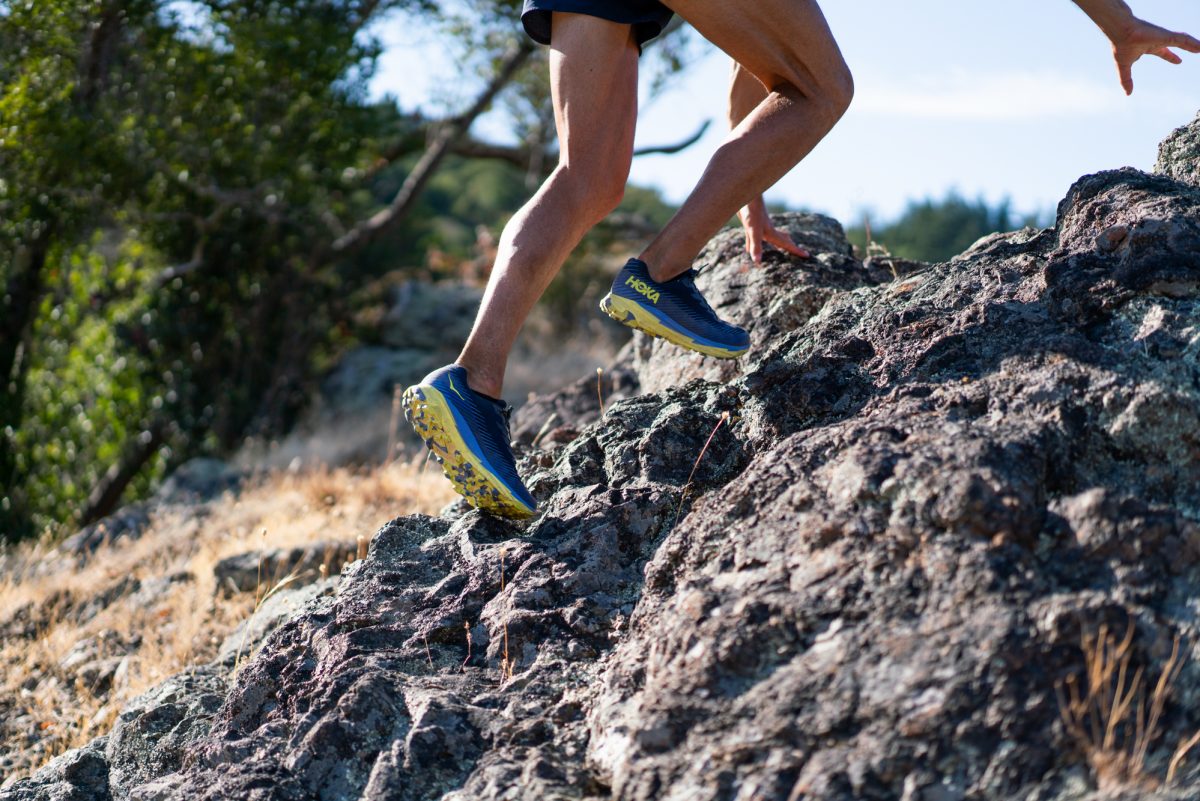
pixel 107 493
pixel 521 156
pixel 678 146
pixel 368 230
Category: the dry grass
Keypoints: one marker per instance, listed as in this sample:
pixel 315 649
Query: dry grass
pixel 506 664
pixel 688 484
pixel 46 708
pixel 1115 714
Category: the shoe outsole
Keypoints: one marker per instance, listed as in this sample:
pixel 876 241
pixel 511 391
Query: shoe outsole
pixel 627 312
pixel 428 411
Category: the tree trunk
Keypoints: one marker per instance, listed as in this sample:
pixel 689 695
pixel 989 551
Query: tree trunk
pixel 107 494
pixel 18 307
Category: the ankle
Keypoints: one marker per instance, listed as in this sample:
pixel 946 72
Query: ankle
pixel 662 270
pixel 483 381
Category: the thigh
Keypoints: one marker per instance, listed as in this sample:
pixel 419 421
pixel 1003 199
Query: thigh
pixel 778 41
pixel 593 80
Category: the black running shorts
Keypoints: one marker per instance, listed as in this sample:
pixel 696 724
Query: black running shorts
pixel 648 17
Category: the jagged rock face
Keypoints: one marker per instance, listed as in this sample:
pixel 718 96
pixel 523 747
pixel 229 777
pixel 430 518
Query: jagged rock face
pixel 884 601
pixel 557 417
pixel 148 740
pixel 768 300
pixel 78 775
pixel 1179 154
pixel 858 564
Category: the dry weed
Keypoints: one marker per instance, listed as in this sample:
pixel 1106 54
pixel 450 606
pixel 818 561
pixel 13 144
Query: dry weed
pixel 47 709
pixel 688 484
pixel 506 664
pixel 1116 715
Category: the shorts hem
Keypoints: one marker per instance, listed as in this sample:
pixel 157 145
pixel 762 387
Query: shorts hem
pixel 536 19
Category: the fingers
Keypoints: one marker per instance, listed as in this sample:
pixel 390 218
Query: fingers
pixel 1125 71
pixel 1167 55
pixel 757 228
pixel 753 243
pixel 1185 42
pixel 785 243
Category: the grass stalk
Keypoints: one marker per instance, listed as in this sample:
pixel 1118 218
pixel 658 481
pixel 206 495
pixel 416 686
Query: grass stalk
pixel 688 484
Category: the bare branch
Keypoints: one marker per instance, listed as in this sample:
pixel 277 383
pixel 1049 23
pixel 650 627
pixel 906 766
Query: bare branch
pixel 177 270
pixel 365 232
pixel 520 156
pixel 137 451
pixel 474 149
pixel 679 146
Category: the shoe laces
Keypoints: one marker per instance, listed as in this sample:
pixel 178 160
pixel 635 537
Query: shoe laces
pixel 506 413
pixel 688 281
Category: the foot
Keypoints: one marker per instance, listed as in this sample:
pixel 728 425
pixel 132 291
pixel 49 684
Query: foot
pixel 468 434
pixel 674 310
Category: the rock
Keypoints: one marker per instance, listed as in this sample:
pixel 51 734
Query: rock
pixel 365 378
pixel 424 326
pixel 198 480
pixel 129 522
pixel 154 591
pixel 426 317
pixel 1179 154
pixel 548 418
pixel 870 560
pixel 260 571
pixel 78 775
pixel 194 482
pixel 152 732
pixel 768 300
pixel 278 607
pixel 95 662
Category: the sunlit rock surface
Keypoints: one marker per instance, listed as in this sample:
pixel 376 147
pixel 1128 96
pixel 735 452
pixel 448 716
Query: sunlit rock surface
pixel 859 563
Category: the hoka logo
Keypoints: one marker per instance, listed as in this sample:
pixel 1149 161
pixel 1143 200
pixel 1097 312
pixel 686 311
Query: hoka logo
pixel 642 288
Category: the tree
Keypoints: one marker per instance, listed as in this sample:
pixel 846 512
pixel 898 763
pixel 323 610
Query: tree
pixel 219 155
pixel 188 192
pixel 937 230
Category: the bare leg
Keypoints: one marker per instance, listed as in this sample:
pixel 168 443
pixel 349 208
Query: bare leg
pixel 788 47
pixel 593 78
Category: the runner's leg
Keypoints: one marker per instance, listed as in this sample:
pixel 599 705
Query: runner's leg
pixel 788 46
pixel 593 79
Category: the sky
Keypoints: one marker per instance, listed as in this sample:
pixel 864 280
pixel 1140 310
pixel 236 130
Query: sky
pixel 1010 100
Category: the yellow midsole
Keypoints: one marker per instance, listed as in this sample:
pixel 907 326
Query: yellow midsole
pixel 454 452
pixel 619 308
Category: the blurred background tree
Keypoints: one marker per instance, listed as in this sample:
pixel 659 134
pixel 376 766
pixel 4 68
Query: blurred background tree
pixel 937 230
pixel 172 176
pixel 194 193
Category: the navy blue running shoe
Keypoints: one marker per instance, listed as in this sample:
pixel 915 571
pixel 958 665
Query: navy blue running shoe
pixel 469 435
pixel 674 310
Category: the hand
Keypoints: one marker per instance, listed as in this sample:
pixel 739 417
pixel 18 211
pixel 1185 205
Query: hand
pixel 758 229
pixel 1140 38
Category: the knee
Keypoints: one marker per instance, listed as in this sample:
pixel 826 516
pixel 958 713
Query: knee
pixel 610 194
pixel 836 91
pixel 841 90
pixel 598 189
pixel 832 91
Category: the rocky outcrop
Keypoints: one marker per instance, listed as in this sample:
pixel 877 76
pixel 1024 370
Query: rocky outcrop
pixel 259 571
pixel 151 734
pixel 1179 154
pixel 937 536
pixel 78 775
